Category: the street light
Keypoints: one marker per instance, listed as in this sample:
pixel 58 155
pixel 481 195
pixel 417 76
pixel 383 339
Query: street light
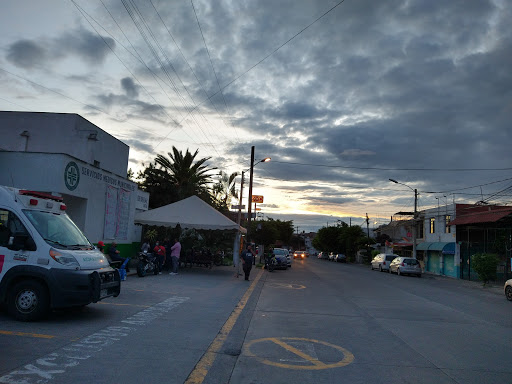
pixel 266 159
pixel 414 216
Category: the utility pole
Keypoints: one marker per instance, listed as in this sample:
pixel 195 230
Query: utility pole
pixel 368 228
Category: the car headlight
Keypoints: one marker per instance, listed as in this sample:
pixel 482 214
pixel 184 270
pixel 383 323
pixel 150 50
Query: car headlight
pixel 63 258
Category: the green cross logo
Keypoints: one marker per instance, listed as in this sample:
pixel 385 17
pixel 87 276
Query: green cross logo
pixel 71 176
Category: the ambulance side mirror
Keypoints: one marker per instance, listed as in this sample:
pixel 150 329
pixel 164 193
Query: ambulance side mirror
pixel 22 241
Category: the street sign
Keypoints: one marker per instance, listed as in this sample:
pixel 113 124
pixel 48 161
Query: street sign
pixel 257 199
pixel 238 207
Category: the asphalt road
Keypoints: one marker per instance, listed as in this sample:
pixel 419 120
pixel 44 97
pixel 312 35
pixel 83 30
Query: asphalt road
pixel 318 322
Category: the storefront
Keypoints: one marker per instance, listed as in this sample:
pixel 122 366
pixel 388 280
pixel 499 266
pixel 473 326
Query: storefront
pixel 440 258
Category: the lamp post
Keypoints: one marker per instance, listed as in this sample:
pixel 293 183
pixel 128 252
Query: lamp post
pixel 249 209
pixel 414 216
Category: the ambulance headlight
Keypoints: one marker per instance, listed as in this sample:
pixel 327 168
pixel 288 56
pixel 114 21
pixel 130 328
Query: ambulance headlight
pixel 63 258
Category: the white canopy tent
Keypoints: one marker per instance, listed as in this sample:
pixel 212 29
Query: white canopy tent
pixel 191 212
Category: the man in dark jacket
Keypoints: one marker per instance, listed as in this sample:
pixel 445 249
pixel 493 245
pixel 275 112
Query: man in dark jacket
pixel 247 258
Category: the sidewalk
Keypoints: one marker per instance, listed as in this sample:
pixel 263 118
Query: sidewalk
pixel 494 287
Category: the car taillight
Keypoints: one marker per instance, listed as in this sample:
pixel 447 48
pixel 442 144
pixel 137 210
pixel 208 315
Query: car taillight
pixel 33 202
pixel 403 264
pixel 383 263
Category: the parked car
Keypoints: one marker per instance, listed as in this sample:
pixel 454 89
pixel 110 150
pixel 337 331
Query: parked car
pixel 282 260
pixel 340 258
pixel 405 265
pixel 382 261
pixel 508 289
pixel 331 256
pixel 288 258
pixel 323 255
pixel 299 255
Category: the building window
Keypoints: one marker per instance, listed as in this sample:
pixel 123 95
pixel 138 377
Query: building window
pixel 96 163
pixel 432 225
pixel 447 219
pixel 421 230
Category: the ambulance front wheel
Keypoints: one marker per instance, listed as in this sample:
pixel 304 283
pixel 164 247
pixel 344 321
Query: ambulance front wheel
pixel 28 301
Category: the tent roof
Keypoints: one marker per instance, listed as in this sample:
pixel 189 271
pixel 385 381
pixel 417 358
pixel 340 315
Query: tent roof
pixel 191 212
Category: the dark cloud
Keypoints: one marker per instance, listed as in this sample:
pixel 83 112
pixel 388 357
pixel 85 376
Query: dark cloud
pixel 85 44
pixel 26 54
pixel 129 87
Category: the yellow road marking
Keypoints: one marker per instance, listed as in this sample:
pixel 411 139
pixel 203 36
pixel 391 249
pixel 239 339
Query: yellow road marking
pixel 37 335
pixel 201 369
pixel 348 357
pixel 288 347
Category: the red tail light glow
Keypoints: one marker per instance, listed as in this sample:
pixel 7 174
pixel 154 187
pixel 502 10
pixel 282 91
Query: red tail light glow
pixel 33 201
pixel 63 207
pixel 403 264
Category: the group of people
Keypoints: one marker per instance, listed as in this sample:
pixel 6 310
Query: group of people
pixel 168 255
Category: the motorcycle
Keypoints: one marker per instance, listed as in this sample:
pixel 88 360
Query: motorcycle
pixel 147 263
pixel 270 263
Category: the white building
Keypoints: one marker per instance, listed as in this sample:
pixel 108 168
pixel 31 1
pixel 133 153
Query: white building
pixel 66 154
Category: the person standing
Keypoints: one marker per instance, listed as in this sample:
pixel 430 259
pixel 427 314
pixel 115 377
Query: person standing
pixel 247 257
pixel 175 256
pixel 159 251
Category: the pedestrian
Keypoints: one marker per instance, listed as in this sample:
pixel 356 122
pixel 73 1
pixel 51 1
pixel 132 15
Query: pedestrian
pixel 168 259
pixel 247 257
pixel 101 246
pixel 159 251
pixel 175 256
pixel 115 255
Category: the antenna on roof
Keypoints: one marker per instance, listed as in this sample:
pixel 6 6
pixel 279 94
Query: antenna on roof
pixel 12 184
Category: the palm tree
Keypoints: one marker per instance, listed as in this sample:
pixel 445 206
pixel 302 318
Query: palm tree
pixel 187 177
pixel 224 190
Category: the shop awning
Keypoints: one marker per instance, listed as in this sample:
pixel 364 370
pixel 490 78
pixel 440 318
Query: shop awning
pixel 422 246
pixel 446 248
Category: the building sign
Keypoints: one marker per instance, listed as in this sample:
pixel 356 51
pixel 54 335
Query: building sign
pixel 257 199
pixel 71 176
pixel 106 178
pixel 142 202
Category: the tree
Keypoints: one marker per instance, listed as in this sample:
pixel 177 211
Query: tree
pixel 485 265
pixel 157 183
pixel 224 190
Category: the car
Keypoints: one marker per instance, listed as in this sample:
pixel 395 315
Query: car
pixel 323 255
pixel 508 289
pixel 382 261
pixel 282 260
pixel 340 258
pixel 288 258
pixel 299 255
pixel 405 265
pixel 331 256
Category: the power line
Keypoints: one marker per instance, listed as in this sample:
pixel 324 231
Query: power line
pixel 395 169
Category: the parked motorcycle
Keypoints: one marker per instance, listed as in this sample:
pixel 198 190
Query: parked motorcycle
pixel 270 263
pixel 147 263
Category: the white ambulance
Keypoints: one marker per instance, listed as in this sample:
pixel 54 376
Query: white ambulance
pixel 46 262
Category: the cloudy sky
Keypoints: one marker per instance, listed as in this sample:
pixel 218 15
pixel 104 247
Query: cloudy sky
pixel 342 95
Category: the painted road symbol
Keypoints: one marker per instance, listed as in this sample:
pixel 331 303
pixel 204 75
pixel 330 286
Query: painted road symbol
pixel 302 352
pixel 286 285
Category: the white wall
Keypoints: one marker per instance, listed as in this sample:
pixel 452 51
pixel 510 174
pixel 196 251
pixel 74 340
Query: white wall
pixel 86 202
pixel 439 214
pixel 63 133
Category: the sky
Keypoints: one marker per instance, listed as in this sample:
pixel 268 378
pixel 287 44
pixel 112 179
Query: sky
pixel 343 96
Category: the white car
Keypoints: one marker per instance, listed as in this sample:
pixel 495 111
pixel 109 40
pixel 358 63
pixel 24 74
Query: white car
pixel 382 261
pixel 508 289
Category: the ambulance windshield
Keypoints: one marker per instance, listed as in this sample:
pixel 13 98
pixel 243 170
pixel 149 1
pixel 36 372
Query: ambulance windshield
pixel 58 230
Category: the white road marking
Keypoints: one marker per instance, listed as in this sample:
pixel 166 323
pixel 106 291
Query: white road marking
pixel 45 368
